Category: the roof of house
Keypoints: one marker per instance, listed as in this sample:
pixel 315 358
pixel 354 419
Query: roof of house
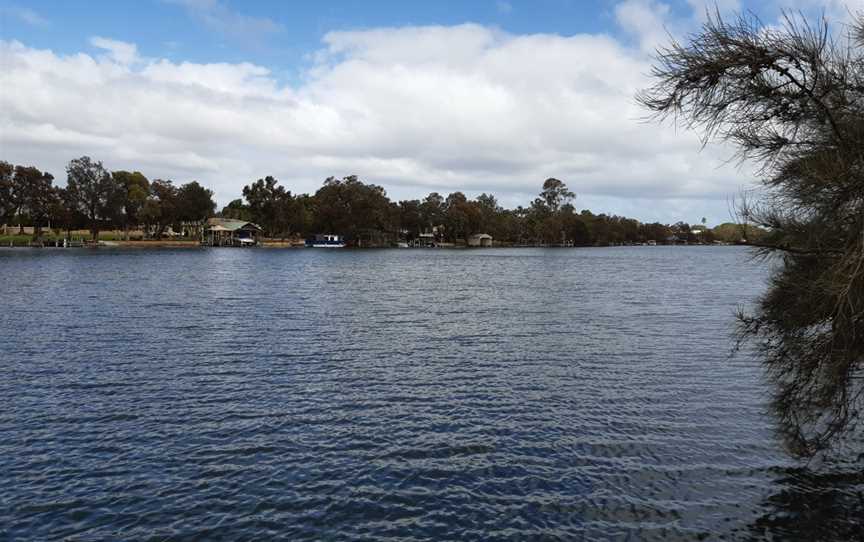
pixel 230 224
pixel 481 236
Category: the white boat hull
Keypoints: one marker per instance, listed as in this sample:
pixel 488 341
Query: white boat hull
pixel 326 241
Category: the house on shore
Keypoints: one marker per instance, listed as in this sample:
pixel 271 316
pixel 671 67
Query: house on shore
pixel 480 240
pixel 228 232
pixel 425 240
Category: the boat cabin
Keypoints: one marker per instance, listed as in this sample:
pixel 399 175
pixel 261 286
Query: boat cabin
pixel 325 241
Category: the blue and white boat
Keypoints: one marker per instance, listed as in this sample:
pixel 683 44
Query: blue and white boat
pixel 325 241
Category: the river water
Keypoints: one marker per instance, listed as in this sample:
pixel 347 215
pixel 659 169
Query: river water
pixel 498 394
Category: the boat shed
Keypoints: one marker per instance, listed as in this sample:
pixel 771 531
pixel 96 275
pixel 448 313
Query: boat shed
pixel 424 240
pixel 480 240
pixel 229 232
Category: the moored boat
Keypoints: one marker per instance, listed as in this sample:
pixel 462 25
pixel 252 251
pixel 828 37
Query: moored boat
pixel 325 241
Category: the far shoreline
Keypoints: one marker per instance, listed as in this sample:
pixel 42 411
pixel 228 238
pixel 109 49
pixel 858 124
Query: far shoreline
pixel 185 244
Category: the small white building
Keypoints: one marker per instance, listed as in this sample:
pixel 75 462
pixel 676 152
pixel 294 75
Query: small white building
pixel 480 240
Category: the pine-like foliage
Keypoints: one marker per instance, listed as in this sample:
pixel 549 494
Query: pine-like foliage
pixel 791 98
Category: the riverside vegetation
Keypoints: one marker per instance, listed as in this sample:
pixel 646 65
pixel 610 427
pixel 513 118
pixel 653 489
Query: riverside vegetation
pixel 791 98
pixel 97 199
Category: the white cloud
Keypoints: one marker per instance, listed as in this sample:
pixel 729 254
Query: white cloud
pixel 839 13
pixel 414 109
pixel 119 51
pixel 651 23
pixel 646 20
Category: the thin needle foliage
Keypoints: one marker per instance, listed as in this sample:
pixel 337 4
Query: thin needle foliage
pixel 790 98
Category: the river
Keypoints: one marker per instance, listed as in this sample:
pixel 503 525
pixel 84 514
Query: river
pixel 495 394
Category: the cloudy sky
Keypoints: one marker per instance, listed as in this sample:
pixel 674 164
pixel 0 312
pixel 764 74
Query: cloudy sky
pixel 480 96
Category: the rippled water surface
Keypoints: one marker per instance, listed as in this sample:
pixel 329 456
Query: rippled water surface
pixel 392 395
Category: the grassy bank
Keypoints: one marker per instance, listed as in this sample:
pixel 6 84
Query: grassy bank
pixel 111 238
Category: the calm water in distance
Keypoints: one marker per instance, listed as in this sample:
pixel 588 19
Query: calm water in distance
pixel 499 394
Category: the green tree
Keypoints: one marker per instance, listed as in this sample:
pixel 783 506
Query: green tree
pixel 731 232
pixel 65 214
pixel 8 196
pixel 93 191
pixel 194 204
pixel 133 191
pixel 432 211
pixel 161 209
pixel 302 218
pixel 538 222
pixel 270 205
pixel 36 196
pixel 353 209
pixel 512 226
pixel 792 99
pixel 654 232
pixel 555 194
pixel 410 217
pixel 573 227
pixel 491 216
pixel 238 210
pixel 462 218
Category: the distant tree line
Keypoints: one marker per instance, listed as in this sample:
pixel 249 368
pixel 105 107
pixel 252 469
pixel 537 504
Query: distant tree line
pixel 97 199
pixel 363 214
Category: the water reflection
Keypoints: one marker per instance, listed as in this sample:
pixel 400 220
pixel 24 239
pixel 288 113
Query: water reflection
pixel 808 505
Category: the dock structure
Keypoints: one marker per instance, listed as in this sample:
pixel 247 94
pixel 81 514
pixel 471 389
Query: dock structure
pixel 228 232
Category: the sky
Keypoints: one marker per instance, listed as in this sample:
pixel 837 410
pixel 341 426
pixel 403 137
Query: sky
pixel 476 96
